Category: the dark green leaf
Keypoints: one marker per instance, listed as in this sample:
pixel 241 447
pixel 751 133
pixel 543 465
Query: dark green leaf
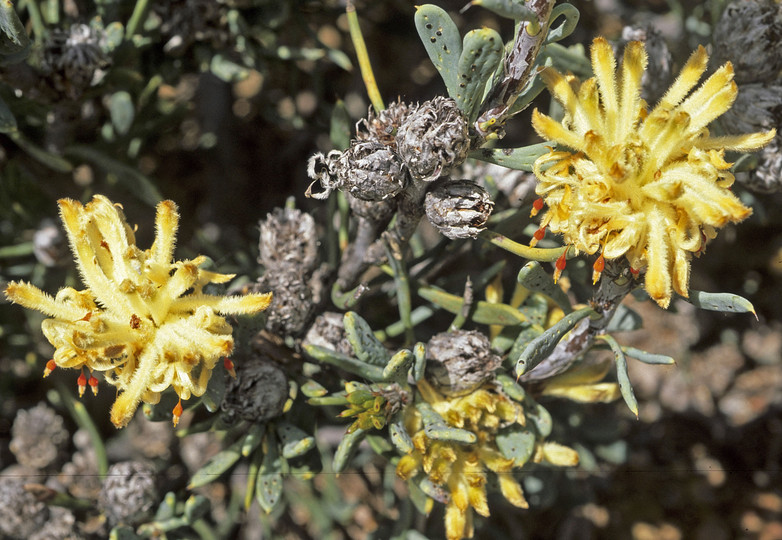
pixel 217 465
pixel 726 302
pixel 122 111
pixel 622 377
pixel 516 443
pixel 535 278
pixel 519 159
pixel 539 416
pixel 347 447
pixel 442 42
pixel 624 320
pixel 398 366
pixel 365 345
pixel 357 367
pixel 484 312
pixel 542 346
pixel 294 442
pixel 268 488
pixel 481 55
pixel 436 428
pixel 13 37
pixel 196 507
pixel 647 357
pixel 7 119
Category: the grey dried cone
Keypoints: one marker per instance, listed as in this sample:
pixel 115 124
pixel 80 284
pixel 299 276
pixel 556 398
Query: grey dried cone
pixel 459 362
pixel 433 139
pixel 328 331
pixel 38 436
pixel 21 514
pixel 258 393
pixel 129 493
pixel 367 170
pixel 383 126
pixel 73 59
pixel 292 301
pixel 758 107
pixel 288 236
pixel 749 34
pixel 458 209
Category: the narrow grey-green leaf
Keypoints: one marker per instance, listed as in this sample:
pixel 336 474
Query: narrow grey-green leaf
pixel 366 346
pixel 511 9
pixel 196 507
pixel 400 437
pixel 268 487
pixel 571 14
pixel 622 377
pixel 122 111
pixel 227 70
pixel 313 389
pixel 481 54
pixel 624 320
pixel 217 465
pixel 511 388
pixel 535 278
pixel 357 367
pixel 253 439
pixel 347 447
pixel 7 119
pixel 519 159
pixel 539 417
pixel 53 161
pixel 647 357
pixel 726 302
pixel 516 443
pixel 535 308
pixel 484 312
pixel 293 441
pixel 397 368
pixel 436 428
pixel 525 337
pixel 435 491
pixel 542 346
pixel 442 42
pixel 419 364
pixel 13 37
pixel 215 390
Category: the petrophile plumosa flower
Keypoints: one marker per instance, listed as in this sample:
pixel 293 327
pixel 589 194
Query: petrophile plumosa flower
pixel 650 186
pixel 143 319
pixel 460 469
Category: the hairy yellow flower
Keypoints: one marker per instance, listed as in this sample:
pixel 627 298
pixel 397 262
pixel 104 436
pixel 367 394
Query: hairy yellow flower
pixel 460 469
pixel 143 320
pixel 650 186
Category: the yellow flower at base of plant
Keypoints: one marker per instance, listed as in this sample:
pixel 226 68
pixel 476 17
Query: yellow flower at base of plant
pixel 461 469
pixel 143 320
pixel 650 186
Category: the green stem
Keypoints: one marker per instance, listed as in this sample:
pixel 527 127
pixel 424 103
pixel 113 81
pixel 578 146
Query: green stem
pixel 533 254
pixel 84 421
pixel 397 263
pixel 363 58
pixel 136 18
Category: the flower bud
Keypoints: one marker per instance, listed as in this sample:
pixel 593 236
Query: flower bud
pixel 747 34
pixel 433 139
pixel 367 170
pixel 258 393
pixel 459 362
pixel 458 209
pixel 376 211
pixel 383 126
pixel 129 493
pixel 288 236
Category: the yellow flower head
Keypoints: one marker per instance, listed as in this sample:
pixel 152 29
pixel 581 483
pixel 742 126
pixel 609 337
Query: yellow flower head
pixel 460 469
pixel 143 320
pixel 650 186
